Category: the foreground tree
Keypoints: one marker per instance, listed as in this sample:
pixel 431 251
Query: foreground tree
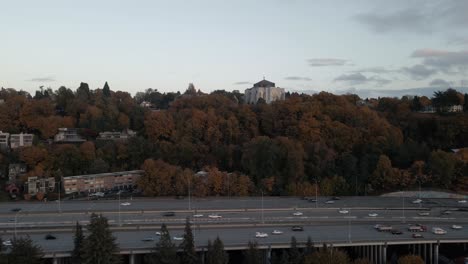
pixel 189 255
pixel 295 256
pixel 216 253
pixel 99 246
pixel 78 243
pixel 23 251
pixel 165 251
pixel 252 254
pixel 410 259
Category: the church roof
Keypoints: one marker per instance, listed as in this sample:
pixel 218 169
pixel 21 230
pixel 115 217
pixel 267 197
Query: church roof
pixel 264 83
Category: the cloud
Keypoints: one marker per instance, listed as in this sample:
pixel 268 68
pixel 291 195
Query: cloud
pixel 418 71
pixel 440 83
pixel 242 83
pixel 42 79
pixel 297 78
pixel 376 69
pixel 321 62
pixel 464 82
pixel 445 61
pixel 359 78
pixel 411 20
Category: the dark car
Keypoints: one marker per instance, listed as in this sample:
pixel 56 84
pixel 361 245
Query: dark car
pixel 169 214
pixel 16 209
pixel 336 198
pixel 147 239
pixel 312 200
pixel 396 232
pixel 50 237
pixel 297 228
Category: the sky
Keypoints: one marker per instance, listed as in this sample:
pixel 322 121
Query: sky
pixel 334 45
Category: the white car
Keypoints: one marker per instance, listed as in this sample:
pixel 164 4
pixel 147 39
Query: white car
pixel 297 213
pixel 417 201
pixel 373 214
pixel 214 216
pixel 343 211
pixel 157 233
pixel 125 204
pixel 261 234
pixel 330 202
pixel 197 215
pixel 277 232
pixel 423 213
pixel 462 201
pixel 178 238
pixel 7 243
pixel 438 231
pixel 457 227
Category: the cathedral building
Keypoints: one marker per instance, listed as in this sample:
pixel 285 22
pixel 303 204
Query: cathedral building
pixel 265 90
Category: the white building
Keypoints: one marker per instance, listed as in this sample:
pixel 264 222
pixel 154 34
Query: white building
pixel 68 135
pixel 21 140
pixel 265 90
pixel 124 135
pixel 4 140
pixel 40 184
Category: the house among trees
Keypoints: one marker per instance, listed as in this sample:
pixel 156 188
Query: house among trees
pixel 146 104
pixel 36 184
pixel 15 170
pixel 265 90
pixel 124 135
pixel 4 140
pixel 21 140
pixel 68 135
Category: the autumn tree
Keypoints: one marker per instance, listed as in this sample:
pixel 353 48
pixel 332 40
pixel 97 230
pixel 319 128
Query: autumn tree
pixel 327 256
pixel 410 259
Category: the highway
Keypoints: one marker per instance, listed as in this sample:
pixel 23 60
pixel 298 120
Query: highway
pixel 240 219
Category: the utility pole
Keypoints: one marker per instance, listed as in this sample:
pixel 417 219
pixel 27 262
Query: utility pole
pixel 262 208
pixel 120 223
pixel 59 191
pixel 189 195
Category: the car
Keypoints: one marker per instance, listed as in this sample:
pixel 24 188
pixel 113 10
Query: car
pixel 336 198
pixel 16 209
pixel 417 201
pixel 462 201
pixel 125 204
pixel 197 215
pixel 438 231
pixel 457 227
pixel 417 235
pixel 277 232
pixel 97 194
pixel 157 233
pixel 343 211
pixel 261 235
pixel 447 212
pixel 330 202
pixel 312 200
pixel 50 237
pixel 178 238
pixel 12 220
pixel 396 232
pixel 377 226
pixel 167 214
pixel 297 228
pixel 423 213
pixel 373 214
pixel 297 213
pixel 148 239
pixel 215 216
pixel 7 243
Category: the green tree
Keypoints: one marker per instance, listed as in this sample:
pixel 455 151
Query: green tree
pixel 99 247
pixel 309 249
pixel 410 259
pixel 165 251
pixel 189 255
pixel 252 255
pixel 78 243
pixel 442 165
pixel 23 251
pixel 106 90
pixel 280 258
pixel 327 256
pixel 295 256
pixel 216 253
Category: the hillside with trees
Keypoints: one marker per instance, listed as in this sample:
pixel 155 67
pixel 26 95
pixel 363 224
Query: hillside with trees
pixel 283 148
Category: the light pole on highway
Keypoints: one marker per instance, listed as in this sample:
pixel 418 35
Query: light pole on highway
pixel 403 207
pixel 262 208
pixel 120 223
pixel 316 193
pixel 349 227
pixel 189 195
pixel 16 221
pixel 59 194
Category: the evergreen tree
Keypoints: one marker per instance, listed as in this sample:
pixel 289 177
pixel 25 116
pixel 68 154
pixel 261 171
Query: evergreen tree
pixel 78 241
pixel 165 251
pixel 99 247
pixel 23 251
pixel 280 258
pixel 216 253
pixel 295 256
pixel 189 255
pixel 252 255
pixel 106 90
pixel 309 246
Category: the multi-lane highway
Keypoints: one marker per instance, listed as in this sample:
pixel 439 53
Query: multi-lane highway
pixel 133 220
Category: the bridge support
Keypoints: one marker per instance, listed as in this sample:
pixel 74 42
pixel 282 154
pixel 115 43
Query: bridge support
pixel 131 259
pixel 436 253
pixel 425 252
pixel 55 260
pixel 384 253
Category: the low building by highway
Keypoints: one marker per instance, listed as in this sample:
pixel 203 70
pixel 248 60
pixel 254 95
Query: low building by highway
pixel 101 181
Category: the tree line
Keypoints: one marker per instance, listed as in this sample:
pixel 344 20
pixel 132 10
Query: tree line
pixel 285 148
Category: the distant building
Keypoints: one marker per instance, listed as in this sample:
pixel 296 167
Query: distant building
pixel 15 170
pixel 428 109
pixel 40 184
pixel 146 104
pixel 21 140
pixel 4 140
pixel 101 181
pixel 68 135
pixel 265 90
pixel 124 135
pixel 455 108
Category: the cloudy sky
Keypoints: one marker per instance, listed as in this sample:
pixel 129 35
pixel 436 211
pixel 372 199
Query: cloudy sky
pixel 299 44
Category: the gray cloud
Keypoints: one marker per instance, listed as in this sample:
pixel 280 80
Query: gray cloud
pixel 42 79
pixel 320 62
pixel 441 83
pixel 359 78
pixel 464 82
pixel 297 78
pixel 418 71
pixel 242 83
pixel 420 17
pixel 376 69
pixel 446 61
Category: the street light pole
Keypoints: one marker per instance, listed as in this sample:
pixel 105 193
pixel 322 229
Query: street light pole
pixel 189 195
pixel 316 193
pixel 16 221
pixel 262 208
pixel 120 223
pixel 59 191
pixel 403 208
